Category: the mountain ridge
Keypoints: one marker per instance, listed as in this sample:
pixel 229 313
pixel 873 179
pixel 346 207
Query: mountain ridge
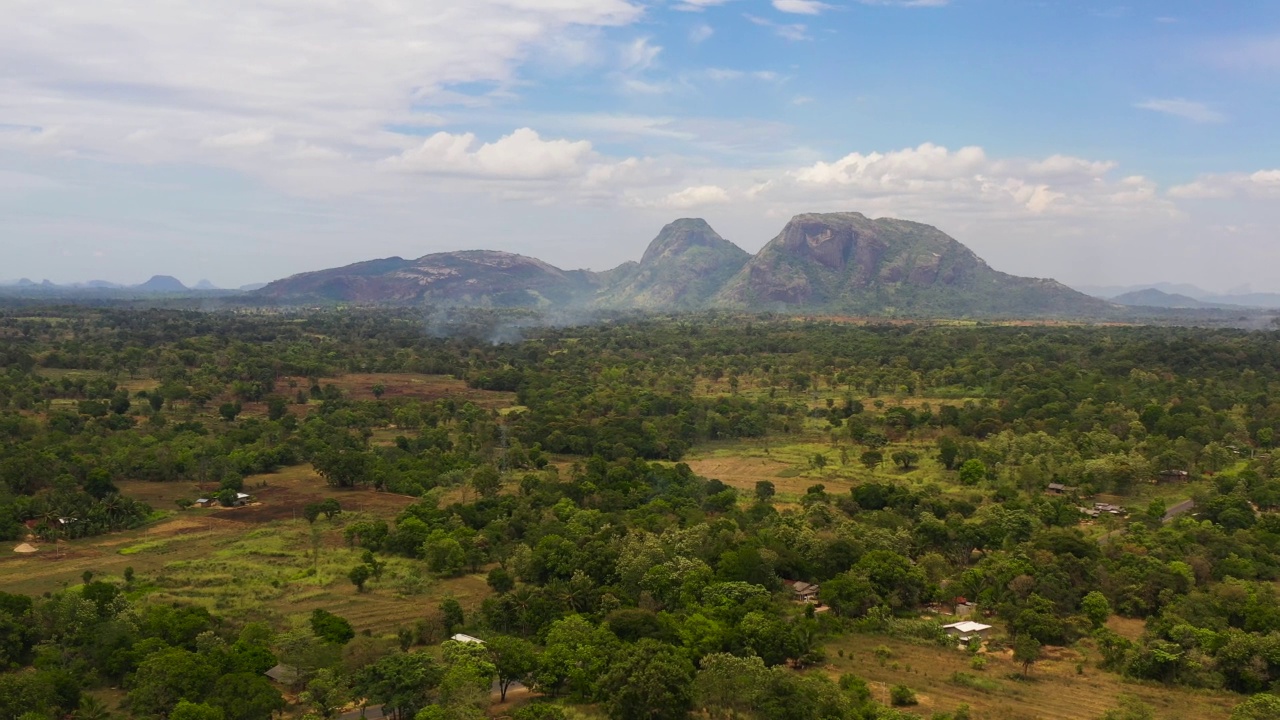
pixel 829 262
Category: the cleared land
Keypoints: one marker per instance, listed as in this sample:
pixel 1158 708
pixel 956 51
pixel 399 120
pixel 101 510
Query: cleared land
pixel 1055 690
pixel 252 563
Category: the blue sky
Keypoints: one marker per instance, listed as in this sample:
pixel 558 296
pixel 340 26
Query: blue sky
pixel 1092 142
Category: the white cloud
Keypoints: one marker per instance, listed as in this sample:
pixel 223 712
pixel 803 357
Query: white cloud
pixel 639 55
pixel 697 196
pixel 697 5
pixel 700 33
pixel 1260 184
pixel 183 82
pixel 522 155
pixel 907 3
pixel 794 32
pixel 800 7
pixel 249 137
pixel 1196 112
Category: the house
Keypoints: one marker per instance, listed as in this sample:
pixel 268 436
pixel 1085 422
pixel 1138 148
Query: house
pixel 1108 508
pixel 1172 476
pixel 1056 489
pixel 283 674
pixel 964 608
pixel 805 591
pixel 966 630
pixel 467 639
pixel 205 502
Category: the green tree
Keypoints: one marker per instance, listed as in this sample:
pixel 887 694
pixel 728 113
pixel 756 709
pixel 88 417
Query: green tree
pixel 514 659
pixel 186 710
pixel 311 511
pixel 1095 607
pixel 326 693
pixel 972 472
pixel 765 491
pixel 168 676
pixel 1259 707
pixel 229 411
pixel 486 480
pixel 728 686
pixel 871 459
pixel 246 696
pixel 650 681
pixel 901 696
pixel 359 575
pixel 451 614
pixel 500 581
pixel 1026 650
pixel 403 683
pixel 948 452
pixel 906 459
pixel 331 628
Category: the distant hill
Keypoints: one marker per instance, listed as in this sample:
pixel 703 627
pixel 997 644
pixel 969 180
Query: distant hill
pixel 1234 298
pixel 161 284
pixel 470 277
pixel 1152 297
pixel 684 266
pixel 824 263
pixel 848 263
pixel 205 285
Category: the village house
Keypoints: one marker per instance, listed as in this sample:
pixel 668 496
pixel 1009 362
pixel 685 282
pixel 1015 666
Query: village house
pixel 966 630
pixel 1056 489
pixel 467 639
pixel 806 592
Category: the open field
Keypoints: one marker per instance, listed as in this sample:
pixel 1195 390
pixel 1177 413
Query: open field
pixel 1055 691
pixel 251 563
pixel 418 387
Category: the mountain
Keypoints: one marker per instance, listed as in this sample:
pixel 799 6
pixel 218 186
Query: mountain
pixel 469 277
pixel 1108 292
pixel 251 287
pixel 822 263
pixel 684 266
pixel 205 285
pixel 848 263
pixel 1151 297
pixel 161 284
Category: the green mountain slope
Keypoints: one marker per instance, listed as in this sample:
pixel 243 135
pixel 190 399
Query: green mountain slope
pixel 848 263
pixel 684 266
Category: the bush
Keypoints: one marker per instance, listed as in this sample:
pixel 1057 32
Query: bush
pixel 901 695
pixel 978 662
pixel 973 682
pixel 540 712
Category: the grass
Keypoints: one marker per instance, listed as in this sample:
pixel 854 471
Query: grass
pixel 252 563
pixel 943 680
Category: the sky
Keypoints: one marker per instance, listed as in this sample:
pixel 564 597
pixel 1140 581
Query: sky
pixel 247 140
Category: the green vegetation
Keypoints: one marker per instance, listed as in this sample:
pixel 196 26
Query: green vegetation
pixel 621 512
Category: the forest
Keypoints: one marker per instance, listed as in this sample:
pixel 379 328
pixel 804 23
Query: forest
pixel 630 505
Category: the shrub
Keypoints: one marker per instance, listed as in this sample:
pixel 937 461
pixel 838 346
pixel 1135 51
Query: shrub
pixel 901 695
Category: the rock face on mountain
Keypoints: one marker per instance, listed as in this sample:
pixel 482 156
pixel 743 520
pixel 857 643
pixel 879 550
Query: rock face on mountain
pixel 682 269
pixel 484 278
pixel 846 262
pixel 822 263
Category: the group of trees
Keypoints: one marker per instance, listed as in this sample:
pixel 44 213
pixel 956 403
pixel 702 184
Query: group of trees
pixel 617 575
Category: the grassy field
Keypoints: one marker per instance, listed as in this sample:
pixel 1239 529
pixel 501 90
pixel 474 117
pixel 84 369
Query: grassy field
pixel 254 563
pixel 943 680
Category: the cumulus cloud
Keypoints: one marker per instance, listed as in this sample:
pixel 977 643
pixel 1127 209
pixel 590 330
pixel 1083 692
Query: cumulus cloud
pixel 800 7
pixel 522 155
pixel 1196 112
pixel 1260 184
pixel 185 82
pixel 698 196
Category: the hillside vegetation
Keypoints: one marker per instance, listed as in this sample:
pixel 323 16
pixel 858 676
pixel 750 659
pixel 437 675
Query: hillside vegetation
pixel 620 512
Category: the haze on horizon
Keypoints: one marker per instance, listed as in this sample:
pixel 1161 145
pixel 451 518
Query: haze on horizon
pixel 1092 142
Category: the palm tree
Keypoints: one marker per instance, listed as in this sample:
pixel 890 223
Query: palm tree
pixel 92 708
